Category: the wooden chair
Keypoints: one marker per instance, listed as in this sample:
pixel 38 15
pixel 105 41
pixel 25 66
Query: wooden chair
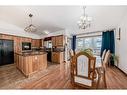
pixel 103 55
pixel 101 70
pixel 106 59
pixel 71 53
pixel 83 70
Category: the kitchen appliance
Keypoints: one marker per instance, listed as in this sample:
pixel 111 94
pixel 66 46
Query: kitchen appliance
pixel 26 46
pixel 6 52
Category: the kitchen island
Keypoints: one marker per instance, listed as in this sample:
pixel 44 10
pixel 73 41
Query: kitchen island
pixel 31 62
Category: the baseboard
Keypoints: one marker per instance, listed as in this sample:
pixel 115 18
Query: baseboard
pixel 121 70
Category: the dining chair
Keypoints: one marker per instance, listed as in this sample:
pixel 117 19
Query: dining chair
pixel 103 55
pixel 71 53
pixel 101 70
pixel 106 59
pixel 83 70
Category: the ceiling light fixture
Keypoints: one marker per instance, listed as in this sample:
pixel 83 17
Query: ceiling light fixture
pixel 85 20
pixel 31 27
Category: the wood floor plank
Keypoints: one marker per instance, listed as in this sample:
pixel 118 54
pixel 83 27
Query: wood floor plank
pixel 56 76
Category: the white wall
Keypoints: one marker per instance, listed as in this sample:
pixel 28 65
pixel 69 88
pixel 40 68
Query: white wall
pixel 6 28
pixel 121 45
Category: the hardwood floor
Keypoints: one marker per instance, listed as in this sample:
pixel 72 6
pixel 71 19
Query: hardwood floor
pixel 56 76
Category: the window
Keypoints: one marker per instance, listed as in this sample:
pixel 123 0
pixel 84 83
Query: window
pixel 80 43
pixel 88 42
pixel 91 42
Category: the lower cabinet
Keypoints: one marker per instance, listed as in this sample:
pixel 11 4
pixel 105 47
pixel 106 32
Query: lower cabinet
pixel 30 64
pixel 57 57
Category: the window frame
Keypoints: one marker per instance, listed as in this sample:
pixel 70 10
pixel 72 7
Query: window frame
pixel 93 46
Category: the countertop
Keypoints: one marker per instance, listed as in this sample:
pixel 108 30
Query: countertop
pixel 31 53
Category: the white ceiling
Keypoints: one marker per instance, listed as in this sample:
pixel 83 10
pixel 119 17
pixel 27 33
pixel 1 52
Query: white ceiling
pixel 55 18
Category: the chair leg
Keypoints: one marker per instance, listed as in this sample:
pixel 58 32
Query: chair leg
pixel 104 78
pixel 99 77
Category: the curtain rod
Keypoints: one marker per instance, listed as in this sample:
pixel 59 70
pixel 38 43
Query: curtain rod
pixel 88 36
pixel 96 31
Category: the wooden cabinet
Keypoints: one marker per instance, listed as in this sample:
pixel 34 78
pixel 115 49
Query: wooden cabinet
pixel 7 37
pixel 26 39
pixel 54 41
pixel 57 57
pixel 58 40
pixel 36 42
pixel 42 42
pixel 54 57
pixel 17 44
pixel 18 41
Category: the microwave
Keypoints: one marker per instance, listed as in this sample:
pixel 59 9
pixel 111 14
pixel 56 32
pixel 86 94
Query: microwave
pixel 26 46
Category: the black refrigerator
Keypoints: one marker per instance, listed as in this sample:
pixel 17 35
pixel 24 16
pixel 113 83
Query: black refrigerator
pixel 6 52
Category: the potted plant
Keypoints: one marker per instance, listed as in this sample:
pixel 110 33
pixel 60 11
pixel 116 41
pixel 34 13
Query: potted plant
pixel 114 58
pixel 89 51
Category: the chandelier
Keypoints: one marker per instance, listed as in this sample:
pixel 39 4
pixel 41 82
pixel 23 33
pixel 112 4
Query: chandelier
pixel 31 27
pixel 84 21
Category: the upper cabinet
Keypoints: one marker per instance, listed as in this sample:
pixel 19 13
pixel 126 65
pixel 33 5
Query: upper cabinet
pixel 42 42
pixel 36 43
pixel 26 39
pixel 2 36
pixel 54 41
pixel 58 40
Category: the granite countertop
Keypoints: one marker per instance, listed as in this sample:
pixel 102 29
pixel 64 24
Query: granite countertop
pixel 31 53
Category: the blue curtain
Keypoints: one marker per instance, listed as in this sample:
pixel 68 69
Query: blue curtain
pixel 108 41
pixel 73 42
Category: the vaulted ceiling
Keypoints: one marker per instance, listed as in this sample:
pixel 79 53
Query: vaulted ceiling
pixel 55 18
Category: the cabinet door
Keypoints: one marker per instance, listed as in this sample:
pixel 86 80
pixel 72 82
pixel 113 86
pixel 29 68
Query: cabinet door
pixel 57 58
pixel 8 37
pixel 61 40
pixel 19 44
pixel 1 36
pixel 54 57
pixel 53 41
pixel 35 63
pixel 33 43
pixel 43 61
pixel 57 40
pixel 42 42
pixel 38 43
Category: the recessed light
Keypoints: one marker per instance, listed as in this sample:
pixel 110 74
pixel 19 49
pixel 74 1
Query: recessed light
pixel 46 32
